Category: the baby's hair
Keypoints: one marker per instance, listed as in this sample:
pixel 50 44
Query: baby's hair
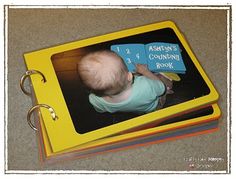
pixel 103 72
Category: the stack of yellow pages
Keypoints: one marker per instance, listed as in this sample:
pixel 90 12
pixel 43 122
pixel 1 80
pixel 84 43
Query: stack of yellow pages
pixel 67 125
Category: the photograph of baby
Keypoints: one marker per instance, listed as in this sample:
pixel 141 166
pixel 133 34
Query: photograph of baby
pixel 100 89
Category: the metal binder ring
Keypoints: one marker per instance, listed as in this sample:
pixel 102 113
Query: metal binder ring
pixel 28 73
pixel 30 112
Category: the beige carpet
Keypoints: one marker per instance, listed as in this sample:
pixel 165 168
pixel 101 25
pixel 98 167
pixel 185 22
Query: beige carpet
pixel 34 29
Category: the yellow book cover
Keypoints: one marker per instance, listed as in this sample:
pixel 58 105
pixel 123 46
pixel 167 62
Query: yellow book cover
pixel 73 121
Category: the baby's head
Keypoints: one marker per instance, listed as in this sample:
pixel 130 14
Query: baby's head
pixel 104 73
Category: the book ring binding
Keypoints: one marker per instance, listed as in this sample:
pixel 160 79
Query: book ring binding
pixel 30 112
pixel 27 74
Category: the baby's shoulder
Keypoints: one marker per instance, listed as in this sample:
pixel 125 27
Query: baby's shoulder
pixel 142 81
pixel 142 78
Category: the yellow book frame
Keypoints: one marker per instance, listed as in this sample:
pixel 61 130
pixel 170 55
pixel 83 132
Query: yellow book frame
pixel 61 132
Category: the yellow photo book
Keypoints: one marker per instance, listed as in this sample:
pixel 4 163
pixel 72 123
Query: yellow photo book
pixel 68 120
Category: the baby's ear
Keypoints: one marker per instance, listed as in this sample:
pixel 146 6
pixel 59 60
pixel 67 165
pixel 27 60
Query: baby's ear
pixel 130 76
